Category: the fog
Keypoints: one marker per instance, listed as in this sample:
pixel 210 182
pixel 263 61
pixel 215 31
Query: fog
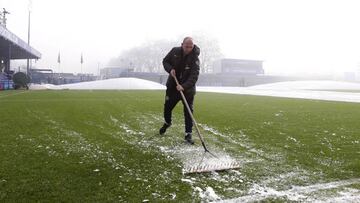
pixel 290 36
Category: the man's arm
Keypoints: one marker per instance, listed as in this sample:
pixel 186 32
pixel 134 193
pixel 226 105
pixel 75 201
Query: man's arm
pixel 194 75
pixel 167 61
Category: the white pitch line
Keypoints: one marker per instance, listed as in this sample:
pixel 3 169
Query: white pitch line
pixel 297 193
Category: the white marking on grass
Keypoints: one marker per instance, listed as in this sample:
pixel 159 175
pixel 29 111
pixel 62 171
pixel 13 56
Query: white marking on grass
pixel 297 142
pixel 297 193
pixel 125 127
pixel 74 142
pixel 347 195
pixel 228 138
pixel 246 145
pixel 187 180
pixel 208 195
pixel 191 156
pixel 113 119
pixel 130 131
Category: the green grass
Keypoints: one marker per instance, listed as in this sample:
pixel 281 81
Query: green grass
pixel 102 146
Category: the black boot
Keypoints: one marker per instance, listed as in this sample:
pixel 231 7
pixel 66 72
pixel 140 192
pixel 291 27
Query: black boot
pixel 163 128
pixel 188 138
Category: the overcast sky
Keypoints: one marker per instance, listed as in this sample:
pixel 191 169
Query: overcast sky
pixel 291 36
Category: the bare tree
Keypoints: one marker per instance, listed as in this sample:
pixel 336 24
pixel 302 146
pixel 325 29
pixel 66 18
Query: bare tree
pixel 148 57
pixel 145 58
pixel 209 51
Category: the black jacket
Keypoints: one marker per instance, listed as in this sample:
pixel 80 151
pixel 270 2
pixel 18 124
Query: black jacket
pixel 187 68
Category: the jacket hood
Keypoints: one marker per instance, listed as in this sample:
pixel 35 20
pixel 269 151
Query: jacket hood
pixel 196 50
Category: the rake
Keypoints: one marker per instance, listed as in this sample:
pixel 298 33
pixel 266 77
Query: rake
pixel 218 165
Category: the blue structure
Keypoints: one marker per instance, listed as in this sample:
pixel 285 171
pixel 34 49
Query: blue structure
pixel 12 48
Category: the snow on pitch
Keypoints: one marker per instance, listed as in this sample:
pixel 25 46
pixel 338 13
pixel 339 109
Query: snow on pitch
pixel 309 85
pixel 109 84
pixel 318 90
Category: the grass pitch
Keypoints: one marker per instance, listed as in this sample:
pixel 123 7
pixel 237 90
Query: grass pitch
pixel 103 146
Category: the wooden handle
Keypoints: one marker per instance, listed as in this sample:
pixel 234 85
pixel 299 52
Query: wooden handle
pixel 176 80
pixel 192 116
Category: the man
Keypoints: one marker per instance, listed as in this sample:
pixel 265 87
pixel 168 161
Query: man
pixel 182 63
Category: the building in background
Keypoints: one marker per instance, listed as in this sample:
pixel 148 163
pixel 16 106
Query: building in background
pixel 12 48
pixel 226 72
pixel 40 76
pixel 236 72
pixel 238 66
pixel 115 72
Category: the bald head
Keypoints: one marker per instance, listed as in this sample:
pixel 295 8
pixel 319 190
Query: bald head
pixel 188 39
pixel 187 45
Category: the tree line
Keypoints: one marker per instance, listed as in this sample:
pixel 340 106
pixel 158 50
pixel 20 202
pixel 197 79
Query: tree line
pixel 148 56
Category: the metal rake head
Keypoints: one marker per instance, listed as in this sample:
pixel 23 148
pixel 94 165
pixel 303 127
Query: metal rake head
pixel 202 168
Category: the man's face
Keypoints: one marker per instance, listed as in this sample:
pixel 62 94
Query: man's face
pixel 187 46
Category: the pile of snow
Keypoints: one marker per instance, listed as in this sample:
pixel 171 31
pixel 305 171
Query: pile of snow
pixel 309 85
pixel 294 89
pixel 109 84
pixel 43 86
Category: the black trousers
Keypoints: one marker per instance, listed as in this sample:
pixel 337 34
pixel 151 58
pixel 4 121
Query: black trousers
pixel 171 99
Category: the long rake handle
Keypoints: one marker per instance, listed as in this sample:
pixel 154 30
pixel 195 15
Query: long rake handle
pixel 192 116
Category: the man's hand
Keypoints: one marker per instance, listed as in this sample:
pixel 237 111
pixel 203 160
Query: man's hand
pixel 179 88
pixel 173 73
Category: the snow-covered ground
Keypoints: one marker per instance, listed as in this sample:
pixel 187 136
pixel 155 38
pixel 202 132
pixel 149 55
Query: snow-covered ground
pixel 318 90
pixel 300 94
pixel 109 84
pixel 309 85
pixel 266 189
pixel 43 87
pixel 303 193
